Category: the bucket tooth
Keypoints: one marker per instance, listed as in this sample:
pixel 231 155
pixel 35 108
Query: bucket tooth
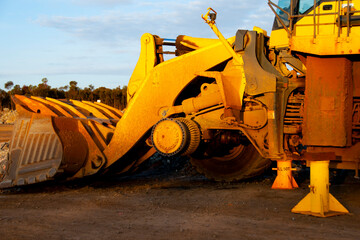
pixel 72 110
pixel 319 202
pixel 104 110
pixel 57 108
pixel 284 179
pixel 34 105
pixel 115 111
pixel 94 111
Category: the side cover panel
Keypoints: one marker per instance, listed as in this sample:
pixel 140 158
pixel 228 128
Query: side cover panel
pixel 328 102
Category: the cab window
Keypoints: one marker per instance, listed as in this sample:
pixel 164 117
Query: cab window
pixel 284 4
pixel 305 5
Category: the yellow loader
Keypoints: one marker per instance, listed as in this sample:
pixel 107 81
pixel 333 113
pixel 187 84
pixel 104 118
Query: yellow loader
pixel 231 105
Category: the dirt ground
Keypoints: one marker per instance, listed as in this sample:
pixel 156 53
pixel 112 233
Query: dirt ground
pixel 171 204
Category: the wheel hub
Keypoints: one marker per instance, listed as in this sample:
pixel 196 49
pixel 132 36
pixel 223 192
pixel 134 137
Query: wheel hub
pixel 169 137
pixel 176 136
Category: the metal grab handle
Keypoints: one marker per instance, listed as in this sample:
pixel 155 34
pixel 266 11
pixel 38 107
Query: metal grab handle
pixel 210 16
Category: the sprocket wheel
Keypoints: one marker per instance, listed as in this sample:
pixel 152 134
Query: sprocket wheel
pixel 241 162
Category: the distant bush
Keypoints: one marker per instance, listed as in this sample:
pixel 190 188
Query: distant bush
pixel 113 97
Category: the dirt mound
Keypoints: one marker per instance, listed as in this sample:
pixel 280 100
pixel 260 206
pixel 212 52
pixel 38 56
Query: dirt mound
pixel 4 150
pixel 8 116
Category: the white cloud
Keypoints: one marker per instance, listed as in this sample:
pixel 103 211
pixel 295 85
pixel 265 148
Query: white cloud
pixel 101 2
pixel 165 18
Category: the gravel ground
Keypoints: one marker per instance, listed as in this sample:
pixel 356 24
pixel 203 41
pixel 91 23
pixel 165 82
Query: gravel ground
pixel 169 201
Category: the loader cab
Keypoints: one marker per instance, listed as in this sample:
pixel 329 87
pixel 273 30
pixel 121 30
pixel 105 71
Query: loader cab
pixel 298 7
pixel 287 14
pixel 320 27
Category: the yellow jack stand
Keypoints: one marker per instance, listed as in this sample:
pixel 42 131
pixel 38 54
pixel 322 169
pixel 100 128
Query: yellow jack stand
pixel 319 202
pixel 284 179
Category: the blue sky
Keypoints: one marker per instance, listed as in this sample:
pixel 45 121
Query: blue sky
pixel 97 41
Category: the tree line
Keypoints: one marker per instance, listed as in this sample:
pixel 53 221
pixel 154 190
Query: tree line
pixel 113 97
